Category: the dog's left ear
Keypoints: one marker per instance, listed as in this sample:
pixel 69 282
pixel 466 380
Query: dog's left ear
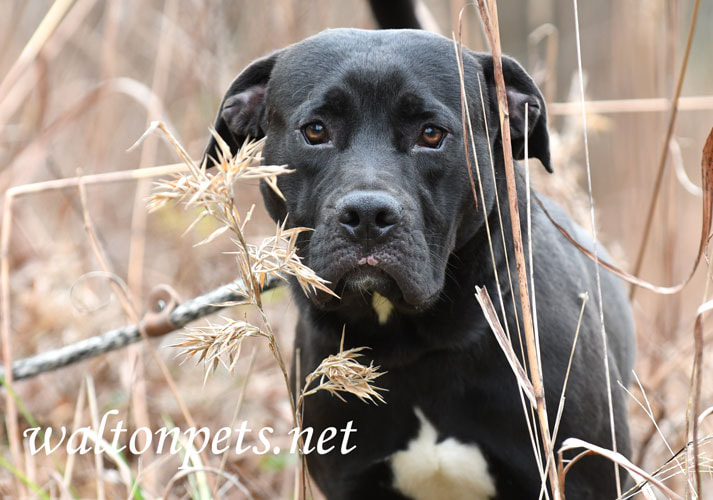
pixel 242 111
pixel 520 89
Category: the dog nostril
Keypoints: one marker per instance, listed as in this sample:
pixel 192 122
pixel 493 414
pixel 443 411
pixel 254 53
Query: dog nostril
pixel 384 219
pixel 349 218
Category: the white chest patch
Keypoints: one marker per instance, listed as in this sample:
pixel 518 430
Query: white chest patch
pixel 449 470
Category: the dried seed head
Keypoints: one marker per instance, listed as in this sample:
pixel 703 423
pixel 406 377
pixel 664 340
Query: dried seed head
pixel 343 373
pixel 214 344
pixel 213 191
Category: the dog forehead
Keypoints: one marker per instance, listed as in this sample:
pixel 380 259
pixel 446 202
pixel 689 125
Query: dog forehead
pixel 391 44
pixel 379 59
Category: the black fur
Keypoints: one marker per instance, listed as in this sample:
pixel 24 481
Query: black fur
pixel 375 91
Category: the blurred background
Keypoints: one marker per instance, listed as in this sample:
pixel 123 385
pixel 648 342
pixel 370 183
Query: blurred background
pixel 96 73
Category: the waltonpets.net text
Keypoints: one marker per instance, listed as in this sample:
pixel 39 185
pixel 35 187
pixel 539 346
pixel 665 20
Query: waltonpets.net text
pixel 85 439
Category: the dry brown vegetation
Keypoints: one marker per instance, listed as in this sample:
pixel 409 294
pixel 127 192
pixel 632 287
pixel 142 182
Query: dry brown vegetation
pixel 81 80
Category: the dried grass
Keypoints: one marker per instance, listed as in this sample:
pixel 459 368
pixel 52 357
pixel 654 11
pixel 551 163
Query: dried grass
pixel 342 373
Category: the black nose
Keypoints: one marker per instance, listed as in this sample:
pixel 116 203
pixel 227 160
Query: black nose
pixel 368 215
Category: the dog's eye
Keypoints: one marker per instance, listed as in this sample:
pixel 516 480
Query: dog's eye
pixel 315 133
pixel 431 137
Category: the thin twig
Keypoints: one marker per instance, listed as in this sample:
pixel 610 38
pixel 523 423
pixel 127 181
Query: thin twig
pixel 27 81
pixel 468 132
pixel 614 106
pixel 87 180
pixel 185 472
pixel 664 150
pixel 44 31
pixel 13 433
pixel 597 271
pixel 71 458
pixel 131 311
pixel 694 398
pixel 490 20
pixel 94 418
pixel 139 217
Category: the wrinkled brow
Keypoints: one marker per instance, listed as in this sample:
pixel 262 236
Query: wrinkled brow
pixel 336 102
pixel 410 107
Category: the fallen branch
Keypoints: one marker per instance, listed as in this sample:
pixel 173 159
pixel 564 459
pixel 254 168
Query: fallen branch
pixel 167 316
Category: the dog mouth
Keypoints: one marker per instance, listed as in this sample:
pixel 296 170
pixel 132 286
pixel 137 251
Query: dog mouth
pixel 400 270
pixel 361 279
pixel 368 279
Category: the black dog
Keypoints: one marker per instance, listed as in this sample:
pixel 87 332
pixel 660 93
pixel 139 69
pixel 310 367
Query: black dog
pixel 371 123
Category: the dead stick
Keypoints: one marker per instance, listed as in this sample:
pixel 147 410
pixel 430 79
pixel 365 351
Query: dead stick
pixel 614 106
pixel 490 20
pixel 178 317
pixel 664 153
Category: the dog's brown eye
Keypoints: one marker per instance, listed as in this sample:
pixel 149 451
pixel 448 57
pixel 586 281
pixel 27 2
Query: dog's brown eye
pixel 315 133
pixel 431 136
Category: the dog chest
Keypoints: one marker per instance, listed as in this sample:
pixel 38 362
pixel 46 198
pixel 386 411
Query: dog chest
pixel 432 470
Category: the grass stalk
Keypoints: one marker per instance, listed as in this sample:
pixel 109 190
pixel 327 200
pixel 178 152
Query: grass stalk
pixel 664 150
pixel 489 17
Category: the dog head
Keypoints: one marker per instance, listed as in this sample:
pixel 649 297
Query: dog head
pixel 371 123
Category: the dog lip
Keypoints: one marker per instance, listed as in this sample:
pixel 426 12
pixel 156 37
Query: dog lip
pixel 376 271
pixel 379 275
pixel 367 279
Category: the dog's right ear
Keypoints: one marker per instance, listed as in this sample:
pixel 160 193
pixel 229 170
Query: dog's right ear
pixel 242 111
